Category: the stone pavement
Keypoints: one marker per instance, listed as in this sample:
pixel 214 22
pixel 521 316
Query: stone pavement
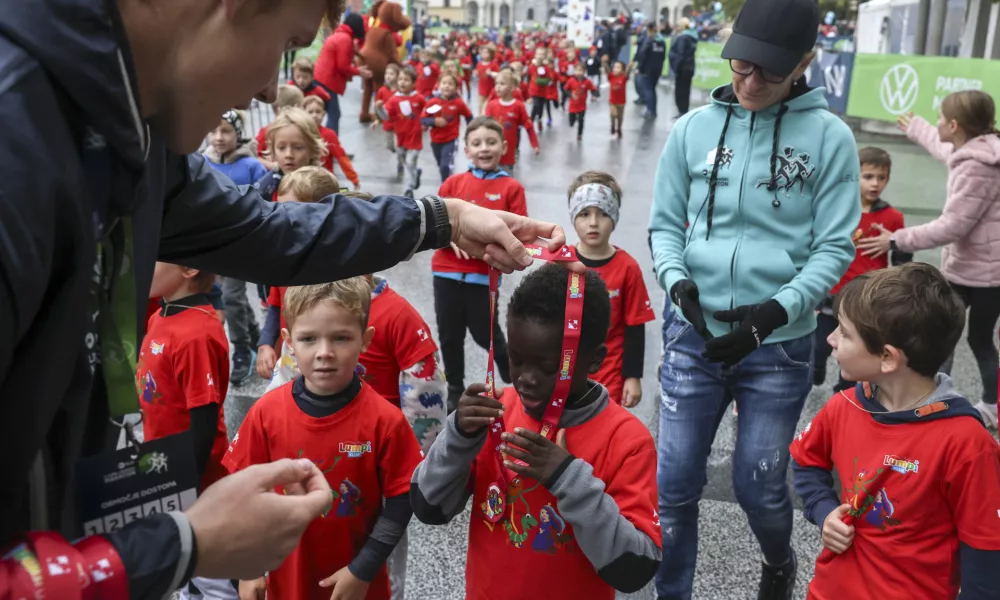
pixel 728 566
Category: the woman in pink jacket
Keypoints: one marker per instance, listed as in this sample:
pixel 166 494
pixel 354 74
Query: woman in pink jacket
pixel 968 230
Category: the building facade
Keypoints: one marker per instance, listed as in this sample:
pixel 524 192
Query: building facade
pixel 508 13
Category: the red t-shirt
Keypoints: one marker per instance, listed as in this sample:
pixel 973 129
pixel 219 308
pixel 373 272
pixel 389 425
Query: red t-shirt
pixel 486 82
pixel 553 91
pixel 405 111
pixel 452 110
pixel 511 117
pixel 315 90
pixel 402 339
pixel 367 452
pixel 466 64
pixel 500 193
pixel 888 217
pixel 538 556
pixel 629 306
pixel 382 95
pixel 618 88
pixel 516 94
pixel 577 89
pixel 427 78
pixel 946 490
pixel 335 150
pixel 547 75
pixel 184 364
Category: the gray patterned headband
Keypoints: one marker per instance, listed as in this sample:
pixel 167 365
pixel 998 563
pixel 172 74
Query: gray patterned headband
pixel 233 118
pixel 596 195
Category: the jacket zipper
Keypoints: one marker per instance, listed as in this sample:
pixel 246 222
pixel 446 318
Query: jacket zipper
pixel 739 217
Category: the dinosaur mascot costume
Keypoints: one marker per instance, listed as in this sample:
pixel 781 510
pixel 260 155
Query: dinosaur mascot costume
pixel 379 50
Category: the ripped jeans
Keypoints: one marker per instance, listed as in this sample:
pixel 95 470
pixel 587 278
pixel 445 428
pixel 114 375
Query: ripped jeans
pixel 770 387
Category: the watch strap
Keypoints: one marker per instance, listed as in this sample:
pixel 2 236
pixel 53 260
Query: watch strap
pixel 438 224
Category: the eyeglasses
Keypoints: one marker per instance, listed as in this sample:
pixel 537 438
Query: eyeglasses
pixel 745 68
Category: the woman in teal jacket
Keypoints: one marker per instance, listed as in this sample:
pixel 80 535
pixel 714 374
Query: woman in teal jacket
pixel 756 198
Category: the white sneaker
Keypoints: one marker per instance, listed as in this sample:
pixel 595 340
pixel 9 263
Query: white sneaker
pixel 989 413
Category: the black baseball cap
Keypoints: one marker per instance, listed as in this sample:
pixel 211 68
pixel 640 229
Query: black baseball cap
pixel 774 34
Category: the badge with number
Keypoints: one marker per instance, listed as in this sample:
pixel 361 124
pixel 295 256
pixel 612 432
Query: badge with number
pixel 115 488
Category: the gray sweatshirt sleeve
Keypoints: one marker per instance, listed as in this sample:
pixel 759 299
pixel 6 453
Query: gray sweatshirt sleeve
pixel 625 557
pixel 441 484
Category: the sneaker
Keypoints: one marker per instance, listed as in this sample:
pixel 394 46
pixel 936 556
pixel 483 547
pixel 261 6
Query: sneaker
pixel 988 412
pixel 419 173
pixel 579 138
pixel 612 129
pixel 399 170
pixel 242 365
pixel 619 133
pixel 540 127
pixel 638 102
pixel 778 583
pixel 548 123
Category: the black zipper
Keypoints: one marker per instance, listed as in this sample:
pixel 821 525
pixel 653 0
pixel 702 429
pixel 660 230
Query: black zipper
pixel 739 216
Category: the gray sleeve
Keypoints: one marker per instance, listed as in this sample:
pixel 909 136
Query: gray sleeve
pixel 625 557
pixel 441 484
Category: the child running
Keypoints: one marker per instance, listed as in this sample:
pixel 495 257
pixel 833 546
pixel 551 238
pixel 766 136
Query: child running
pixel 316 109
pixel 512 115
pixel 461 283
pixel 362 444
pixel 618 96
pixel 486 71
pixel 594 204
pixel 182 377
pixel 541 77
pixel 579 518
pixel 577 86
pixel 919 474
pixel 385 92
pixel 293 142
pixel 427 73
pixel 404 110
pixel 443 114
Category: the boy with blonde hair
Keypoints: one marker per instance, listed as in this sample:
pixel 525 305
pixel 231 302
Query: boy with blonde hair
pixel 289 96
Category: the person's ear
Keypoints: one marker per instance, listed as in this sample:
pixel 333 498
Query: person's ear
pixel 597 358
pixel 189 273
pixel 366 338
pixel 286 336
pixel 503 148
pixel 802 66
pixel 892 360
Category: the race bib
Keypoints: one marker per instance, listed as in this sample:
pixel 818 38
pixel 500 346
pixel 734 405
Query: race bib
pixel 541 71
pixel 433 110
pixel 405 108
pixel 427 71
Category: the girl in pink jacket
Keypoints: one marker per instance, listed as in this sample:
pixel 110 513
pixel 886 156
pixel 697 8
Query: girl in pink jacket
pixel 968 230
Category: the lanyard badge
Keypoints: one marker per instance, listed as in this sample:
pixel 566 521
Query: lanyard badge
pixel 496 495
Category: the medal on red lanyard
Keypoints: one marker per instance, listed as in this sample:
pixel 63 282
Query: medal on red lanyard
pixel 496 496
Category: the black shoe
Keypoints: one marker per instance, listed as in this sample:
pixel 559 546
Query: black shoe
pixel 454 395
pixel 778 583
pixel 419 173
pixel 242 359
pixel 638 102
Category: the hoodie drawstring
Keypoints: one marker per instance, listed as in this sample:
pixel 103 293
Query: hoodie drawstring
pixel 714 178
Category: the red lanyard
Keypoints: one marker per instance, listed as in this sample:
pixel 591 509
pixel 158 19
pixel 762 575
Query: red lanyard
pixel 497 493
pixel 47 566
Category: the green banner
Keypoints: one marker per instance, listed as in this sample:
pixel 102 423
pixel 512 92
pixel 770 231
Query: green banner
pixel 710 69
pixel 884 86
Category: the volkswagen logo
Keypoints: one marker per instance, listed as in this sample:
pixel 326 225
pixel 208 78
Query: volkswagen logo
pixel 899 89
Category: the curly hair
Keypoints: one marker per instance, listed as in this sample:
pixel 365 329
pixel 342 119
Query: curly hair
pixel 297 117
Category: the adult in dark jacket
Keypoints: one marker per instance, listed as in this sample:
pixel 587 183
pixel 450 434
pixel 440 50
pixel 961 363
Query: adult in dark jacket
pixel 682 49
pixel 335 64
pixel 97 100
pixel 649 62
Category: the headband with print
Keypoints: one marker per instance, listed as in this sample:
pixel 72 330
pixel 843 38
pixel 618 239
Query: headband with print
pixel 233 118
pixel 596 195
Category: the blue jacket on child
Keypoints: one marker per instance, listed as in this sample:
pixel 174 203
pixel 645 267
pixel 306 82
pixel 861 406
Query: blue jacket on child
pixel 777 223
pixel 241 165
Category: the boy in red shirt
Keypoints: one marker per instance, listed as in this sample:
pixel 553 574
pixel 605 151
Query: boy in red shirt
pixel 517 90
pixel 428 71
pixel 404 110
pixel 362 443
pixel 317 110
pixel 618 80
pixel 876 213
pixel 182 377
pixel 461 283
pixel 382 96
pixel 443 114
pixel 302 78
pixel 577 86
pixel 594 205
pixel 511 114
pixel 486 71
pixel 465 64
pixel 919 473
pixel 579 519
pixel 541 77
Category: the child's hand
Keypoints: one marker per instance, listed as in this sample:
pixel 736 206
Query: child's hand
pixel 632 392
pixel 476 411
pixel 254 589
pixel 440 122
pixel 541 455
pixel 345 586
pixel 459 252
pixel 266 359
pixel 837 535
pixel 357 186
pixel 903 121
pixel 537 151
pixel 375 124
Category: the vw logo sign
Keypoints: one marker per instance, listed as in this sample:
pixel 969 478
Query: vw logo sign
pixel 899 89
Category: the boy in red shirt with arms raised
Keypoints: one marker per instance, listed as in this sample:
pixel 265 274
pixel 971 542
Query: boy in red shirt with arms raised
pixel 578 518
pixel 512 115
pixel 443 114
pixel 617 97
pixel 404 110
pixel 486 71
pixel 594 204
pixel 919 474
pixel 361 442
pixel 577 87
pixel 876 215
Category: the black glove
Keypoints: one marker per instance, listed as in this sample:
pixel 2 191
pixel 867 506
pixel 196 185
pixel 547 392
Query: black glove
pixel 757 321
pixel 684 294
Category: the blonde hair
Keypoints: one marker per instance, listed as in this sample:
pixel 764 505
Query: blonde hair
pixel 289 96
pixel 353 295
pixel 303 63
pixel 297 117
pixel 973 110
pixel 508 75
pixel 313 100
pixel 309 184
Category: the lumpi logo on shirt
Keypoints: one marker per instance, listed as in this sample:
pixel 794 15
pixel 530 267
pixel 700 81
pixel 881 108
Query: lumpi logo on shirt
pixel 614 293
pixel 901 465
pixel 493 197
pixel 355 449
pixel 155 347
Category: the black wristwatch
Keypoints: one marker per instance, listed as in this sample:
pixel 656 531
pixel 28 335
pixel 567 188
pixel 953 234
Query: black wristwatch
pixel 892 244
pixel 438 225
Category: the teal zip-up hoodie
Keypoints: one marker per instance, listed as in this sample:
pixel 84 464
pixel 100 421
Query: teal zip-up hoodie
pixel 784 208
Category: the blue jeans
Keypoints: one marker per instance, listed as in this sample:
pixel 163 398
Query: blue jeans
pixel 770 387
pixel 647 86
pixel 333 113
pixel 444 154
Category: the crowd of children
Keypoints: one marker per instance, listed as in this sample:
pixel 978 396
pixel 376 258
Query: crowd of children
pixel 358 385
